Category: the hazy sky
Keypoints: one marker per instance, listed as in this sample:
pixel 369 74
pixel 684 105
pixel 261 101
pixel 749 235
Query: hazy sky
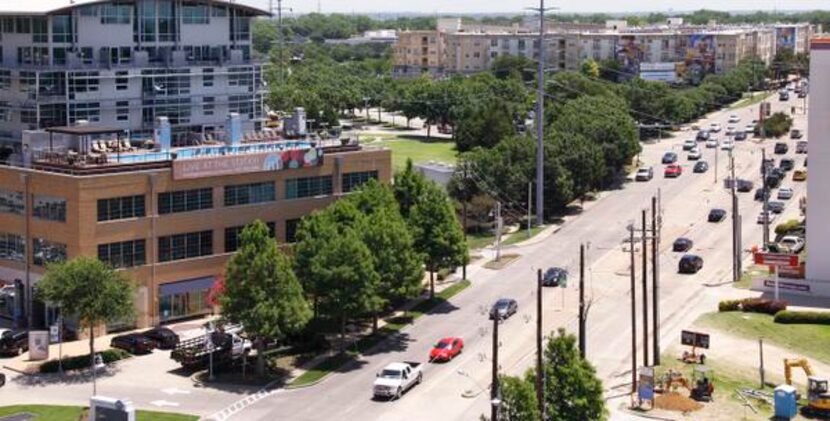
pixel 517 6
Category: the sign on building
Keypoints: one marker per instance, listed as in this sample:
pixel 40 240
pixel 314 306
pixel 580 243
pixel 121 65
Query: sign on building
pixel 213 166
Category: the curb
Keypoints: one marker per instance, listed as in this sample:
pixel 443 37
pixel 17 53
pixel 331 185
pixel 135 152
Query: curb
pixel 18 371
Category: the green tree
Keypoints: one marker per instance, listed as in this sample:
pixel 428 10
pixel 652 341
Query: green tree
pixel 517 67
pixel 518 398
pixel 438 234
pixel 572 391
pixel 778 124
pixel 88 289
pixel 262 292
pixel 590 68
pixel 485 125
pixel 409 187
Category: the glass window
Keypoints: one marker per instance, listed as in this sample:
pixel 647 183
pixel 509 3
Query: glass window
pixel 83 81
pixel 24 25
pixel 89 111
pixel 120 208
pixel 308 187
pixel 12 247
pixel 123 254
pixel 207 77
pixel 12 202
pixel 219 11
pixel 246 194
pixel 122 81
pixel 232 242
pixel 5 79
pixel 122 110
pixel 147 21
pixel 185 246
pixel 49 208
pixel 291 230
pixel 112 13
pixel 61 28
pixel 40 27
pixel 45 252
pixel 208 105
pixel 352 181
pixel 193 13
pixel 166 21
pixel 185 200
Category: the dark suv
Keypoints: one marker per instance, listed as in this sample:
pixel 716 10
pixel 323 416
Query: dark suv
pixel 555 277
pixel 134 343
pixel 781 148
pixel 13 342
pixel 163 337
pixel 690 263
pixel 716 215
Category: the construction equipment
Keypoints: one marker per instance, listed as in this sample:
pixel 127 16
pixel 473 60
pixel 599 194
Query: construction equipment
pixel 700 388
pixel 818 396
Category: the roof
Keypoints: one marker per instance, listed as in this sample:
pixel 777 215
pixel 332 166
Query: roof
pixel 83 130
pixel 45 7
pixel 820 44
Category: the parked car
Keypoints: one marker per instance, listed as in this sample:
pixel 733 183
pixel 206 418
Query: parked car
pixel 13 342
pixel 733 118
pixel 783 96
pixel 689 144
pixel 749 128
pixel 793 243
pixel 785 193
pixel 690 263
pixel 761 194
pixel 555 277
pixel 781 148
pixel 716 215
pixel 775 206
pixel 786 164
pixel 802 94
pixel 673 171
pixel 799 175
pixel 727 145
pixel 504 308
pixel 134 343
pixel 801 146
pixel 744 186
pixel 446 349
pixel 765 217
pixel 682 244
pixel 669 158
pixel 740 135
pixel 163 337
pixel 694 154
pixel 2 379
pixel 397 378
pixel 796 134
pixel 715 127
pixel 712 142
pixel 644 174
pixel 730 131
pixel 702 135
pixel 701 167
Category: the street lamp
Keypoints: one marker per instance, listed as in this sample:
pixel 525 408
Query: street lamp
pixel 209 342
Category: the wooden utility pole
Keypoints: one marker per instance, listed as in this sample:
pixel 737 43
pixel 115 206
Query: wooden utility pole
pixel 494 387
pixel 582 314
pixel 645 290
pixel 539 374
pixel 633 312
pixel 655 275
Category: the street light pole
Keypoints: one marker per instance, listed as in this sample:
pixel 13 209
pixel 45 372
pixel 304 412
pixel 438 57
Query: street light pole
pixel 539 374
pixel 645 290
pixel 633 311
pixel 735 227
pixel 582 339
pixel 494 388
pixel 655 265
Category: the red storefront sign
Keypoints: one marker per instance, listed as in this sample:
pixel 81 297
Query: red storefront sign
pixel 776 259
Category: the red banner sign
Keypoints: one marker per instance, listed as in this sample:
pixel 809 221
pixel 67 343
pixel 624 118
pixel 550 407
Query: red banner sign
pixel 776 259
pixel 245 163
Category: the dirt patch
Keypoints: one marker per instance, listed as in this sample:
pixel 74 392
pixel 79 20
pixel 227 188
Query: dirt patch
pixel 505 260
pixel 674 401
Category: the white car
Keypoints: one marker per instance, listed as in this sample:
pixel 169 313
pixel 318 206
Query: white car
pixel 730 130
pixel 715 127
pixel 712 143
pixel 397 378
pixel 689 144
pixel 765 217
pixel 734 118
pixel 785 193
pixel 792 243
pixel 750 128
pixel 694 154
pixel 727 145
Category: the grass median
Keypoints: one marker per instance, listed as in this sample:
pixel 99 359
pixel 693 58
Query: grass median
pixel 73 413
pixel 392 326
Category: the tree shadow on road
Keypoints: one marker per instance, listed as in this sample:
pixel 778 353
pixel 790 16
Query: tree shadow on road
pixel 67 378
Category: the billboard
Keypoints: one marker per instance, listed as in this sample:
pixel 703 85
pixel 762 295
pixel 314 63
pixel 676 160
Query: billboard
pixel 246 163
pixel 664 72
pixel 698 54
pixel 630 54
pixel 785 38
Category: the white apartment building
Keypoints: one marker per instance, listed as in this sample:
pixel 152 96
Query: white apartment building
pixel 818 192
pixel 123 63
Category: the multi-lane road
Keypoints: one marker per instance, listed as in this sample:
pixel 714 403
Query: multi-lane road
pixel 685 203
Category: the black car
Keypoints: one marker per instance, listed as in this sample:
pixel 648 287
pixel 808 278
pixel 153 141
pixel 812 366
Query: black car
pixel 2 379
pixel 717 215
pixel 781 148
pixel 773 181
pixel 796 134
pixel 761 194
pixel 669 158
pixel 13 342
pixel 786 164
pixel 744 186
pixel 775 206
pixel 134 343
pixel 682 244
pixel 701 167
pixel 504 308
pixel 690 263
pixel 740 135
pixel 163 337
pixel 702 136
pixel 555 277
pixel 802 94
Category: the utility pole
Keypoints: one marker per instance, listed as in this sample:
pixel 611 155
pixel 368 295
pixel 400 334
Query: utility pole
pixel 539 376
pixel 494 388
pixel 655 275
pixel 761 367
pixel 766 198
pixel 633 311
pixel 281 36
pixel 498 231
pixel 735 227
pixel 582 315
pixel 716 164
pixel 464 217
pixel 540 111
pixel 645 291
pixel 529 201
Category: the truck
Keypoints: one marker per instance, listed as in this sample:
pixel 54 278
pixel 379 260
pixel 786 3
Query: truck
pixel 224 345
pixel 397 378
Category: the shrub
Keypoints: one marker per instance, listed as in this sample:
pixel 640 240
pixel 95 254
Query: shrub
pixel 82 361
pixel 729 305
pixel 803 317
pixel 763 305
pixel 443 273
pixel 786 227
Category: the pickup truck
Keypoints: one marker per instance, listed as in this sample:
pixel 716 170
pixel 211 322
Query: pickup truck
pixel 224 345
pixel 792 243
pixel 397 378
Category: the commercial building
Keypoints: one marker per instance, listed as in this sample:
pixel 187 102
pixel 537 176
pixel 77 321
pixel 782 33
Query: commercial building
pixel 123 63
pixel 168 216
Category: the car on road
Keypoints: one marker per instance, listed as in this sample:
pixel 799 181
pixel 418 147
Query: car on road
pixel 504 308
pixel 163 337
pixel 2 379
pixel 749 128
pixel 801 146
pixel 744 186
pixel 765 217
pixel 733 118
pixel 773 180
pixel 802 94
pixel 702 135
pixel 730 131
pixel 712 143
pixel 446 349
pixel 775 206
pixel 792 243
pixel 690 263
pixel 715 127
pixel 555 277
pixel 799 175
pixel 13 342
pixel 689 144
pixel 682 244
pixel 644 174
pixel 783 96
pixel 669 158
pixel 740 135
pixel 716 215
pixel 786 164
pixel 761 194
pixel 397 378
pixel 701 167
pixel 727 145
pixel 694 154
pixel 673 171
pixel 796 134
pixel 785 193
pixel 781 148
pixel 134 343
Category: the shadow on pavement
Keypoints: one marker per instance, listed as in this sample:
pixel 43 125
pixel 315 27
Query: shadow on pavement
pixel 68 378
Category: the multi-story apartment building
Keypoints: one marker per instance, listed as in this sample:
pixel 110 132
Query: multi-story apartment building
pixel 123 63
pixel 416 52
pixel 168 216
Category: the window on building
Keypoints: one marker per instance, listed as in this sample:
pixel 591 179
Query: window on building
pixel 185 246
pixel 122 81
pixel 352 181
pixel 167 28
pixel 185 200
pixel 308 187
pixel 12 247
pixel 61 28
pixel 291 226
pixel 23 25
pixel 207 77
pixel 49 208
pixel 246 194
pixel 208 105
pixel 5 79
pixel 89 111
pixel 7 25
pixel 122 111
pixel 83 82
pixel 242 104
pixel 90 10
pixel 123 254
pixel 45 252
pixel 146 22
pixel 59 56
pixel 194 13
pixel 12 202
pixel 120 208
pixel 232 240
pixel 40 30
pixel 240 28
pixel 115 14
pixel 219 11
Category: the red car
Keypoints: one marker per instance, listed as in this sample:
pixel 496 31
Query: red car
pixel 446 349
pixel 673 171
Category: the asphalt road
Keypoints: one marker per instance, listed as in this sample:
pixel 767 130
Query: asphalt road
pixel 685 202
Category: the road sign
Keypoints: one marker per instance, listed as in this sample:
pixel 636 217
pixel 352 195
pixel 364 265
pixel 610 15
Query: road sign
pixel 776 259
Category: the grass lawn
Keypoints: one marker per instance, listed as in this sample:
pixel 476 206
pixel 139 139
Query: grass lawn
pixel 811 340
pixel 746 278
pixel 521 235
pixel 418 149
pixel 747 101
pixel 477 240
pixel 72 413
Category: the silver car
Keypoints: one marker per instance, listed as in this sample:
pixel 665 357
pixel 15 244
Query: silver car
pixel 785 193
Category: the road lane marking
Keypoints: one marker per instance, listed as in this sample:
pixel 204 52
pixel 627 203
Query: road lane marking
pixel 162 403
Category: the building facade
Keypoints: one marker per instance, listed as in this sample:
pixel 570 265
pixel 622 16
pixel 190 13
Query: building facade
pixel 123 63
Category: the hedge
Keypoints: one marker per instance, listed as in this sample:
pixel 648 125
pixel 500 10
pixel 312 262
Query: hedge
pixel 753 305
pixel 82 361
pixel 803 317
pixel 786 227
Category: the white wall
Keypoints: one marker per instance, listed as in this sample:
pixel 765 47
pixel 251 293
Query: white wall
pixel 818 189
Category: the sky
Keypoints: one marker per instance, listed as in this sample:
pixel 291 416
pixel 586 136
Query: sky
pixel 518 6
